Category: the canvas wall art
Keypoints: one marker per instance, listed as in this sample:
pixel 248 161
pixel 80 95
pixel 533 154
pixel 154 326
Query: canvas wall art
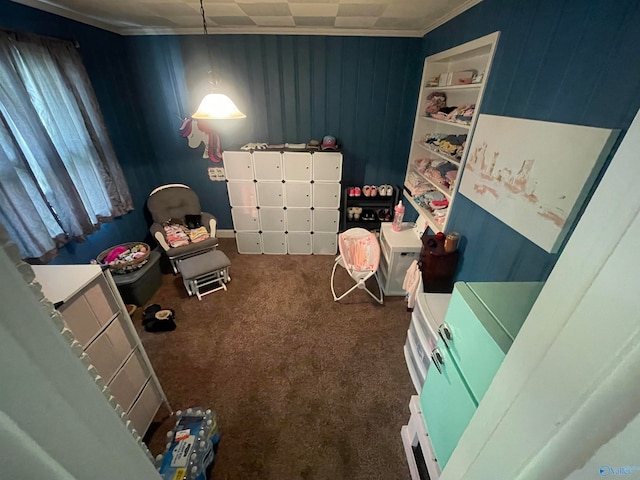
pixel 534 175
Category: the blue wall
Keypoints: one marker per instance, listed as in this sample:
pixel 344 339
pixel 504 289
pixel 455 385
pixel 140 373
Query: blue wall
pixel 570 61
pixel 292 89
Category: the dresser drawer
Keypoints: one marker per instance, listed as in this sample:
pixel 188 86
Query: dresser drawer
pixel 87 312
pixel 109 350
pixel 128 382
pixel 145 408
pixel 80 319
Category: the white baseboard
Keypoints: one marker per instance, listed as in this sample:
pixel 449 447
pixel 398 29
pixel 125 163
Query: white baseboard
pixel 222 233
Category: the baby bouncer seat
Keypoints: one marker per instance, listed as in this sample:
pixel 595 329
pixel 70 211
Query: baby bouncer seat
pixel 359 256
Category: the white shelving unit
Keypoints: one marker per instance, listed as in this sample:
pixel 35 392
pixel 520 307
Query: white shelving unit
pixel 475 55
pixel 285 202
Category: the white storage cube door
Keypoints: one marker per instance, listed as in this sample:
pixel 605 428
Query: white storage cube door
pixel 298 194
pixel 272 219
pixel 298 219
pixel 267 166
pixel 326 195
pixel 274 243
pixel 297 166
pixel 242 194
pixel 325 243
pixel 270 194
pixel 248 242
pixel 245 219
pixel 325 220
pixel 327 167
pixel 299 243
pixel 238 165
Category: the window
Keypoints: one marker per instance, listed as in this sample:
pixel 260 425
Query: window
pixel 59 177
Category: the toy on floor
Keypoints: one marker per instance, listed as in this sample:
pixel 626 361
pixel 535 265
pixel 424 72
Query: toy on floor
pixel 191 446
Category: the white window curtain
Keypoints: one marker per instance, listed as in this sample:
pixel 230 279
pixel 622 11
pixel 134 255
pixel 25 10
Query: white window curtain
pixel 59 176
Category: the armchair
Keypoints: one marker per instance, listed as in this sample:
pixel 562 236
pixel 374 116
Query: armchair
pixel 175 202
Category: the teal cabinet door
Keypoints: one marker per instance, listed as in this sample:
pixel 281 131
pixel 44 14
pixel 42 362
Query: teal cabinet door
pixel 447 406
pixel 472 340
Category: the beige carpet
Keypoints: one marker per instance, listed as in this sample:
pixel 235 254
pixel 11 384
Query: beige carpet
pixel 304 388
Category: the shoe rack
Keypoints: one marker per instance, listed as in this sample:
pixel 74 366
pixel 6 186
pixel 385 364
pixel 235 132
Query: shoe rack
pixel 375 209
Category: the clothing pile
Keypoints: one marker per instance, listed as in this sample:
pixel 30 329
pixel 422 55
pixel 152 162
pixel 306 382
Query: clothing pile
pixel 428 197
pixel 436 107
pixel 439 171
pixel 178 234
pixel 447 144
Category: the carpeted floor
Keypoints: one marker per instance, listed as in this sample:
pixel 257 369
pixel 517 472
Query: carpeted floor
pixel 304 388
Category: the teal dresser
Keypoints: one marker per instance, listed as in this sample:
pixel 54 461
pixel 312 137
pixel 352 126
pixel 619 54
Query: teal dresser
pixel 479 327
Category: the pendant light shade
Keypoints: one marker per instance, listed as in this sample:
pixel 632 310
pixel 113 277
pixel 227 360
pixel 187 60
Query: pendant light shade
pixel 215 106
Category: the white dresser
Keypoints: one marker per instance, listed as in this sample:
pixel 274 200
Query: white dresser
pixel 94 312
pixel 285 202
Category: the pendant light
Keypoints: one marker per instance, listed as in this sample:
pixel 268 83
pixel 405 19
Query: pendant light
pixel 215 105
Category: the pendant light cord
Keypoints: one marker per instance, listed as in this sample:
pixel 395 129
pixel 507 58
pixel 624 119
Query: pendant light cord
pixel 213 78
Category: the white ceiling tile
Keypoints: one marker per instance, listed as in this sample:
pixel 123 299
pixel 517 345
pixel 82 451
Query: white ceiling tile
pixel 266 9
pixel 188 20
pixel 406 9
pixel 224 10
pixel 313 10
pixel 356 22
pixel 274 21
pixel 361 10
pixel 170 9
pixel 233 21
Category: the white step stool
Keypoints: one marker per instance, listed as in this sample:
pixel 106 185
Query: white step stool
pixel 208 268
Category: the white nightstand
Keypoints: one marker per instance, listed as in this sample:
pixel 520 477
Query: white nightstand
pixel 398 250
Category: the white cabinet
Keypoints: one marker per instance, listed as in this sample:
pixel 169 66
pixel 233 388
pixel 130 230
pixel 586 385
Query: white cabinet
pixel 326 195
pixel 94 312
pixel 325 243
pixel 327 167
pixel 267 166
pixel 299 243
pixel 270 194
pixel 397 251
pixel 325 220
pixel 298 194
pixel 441 138
pixel 242 194
pixel 298 219
pixel 274 243
pixel 297 166
pixel 246 219
pixel 289 203
pixel 272 219
pixel 249 242
pixel 238 166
